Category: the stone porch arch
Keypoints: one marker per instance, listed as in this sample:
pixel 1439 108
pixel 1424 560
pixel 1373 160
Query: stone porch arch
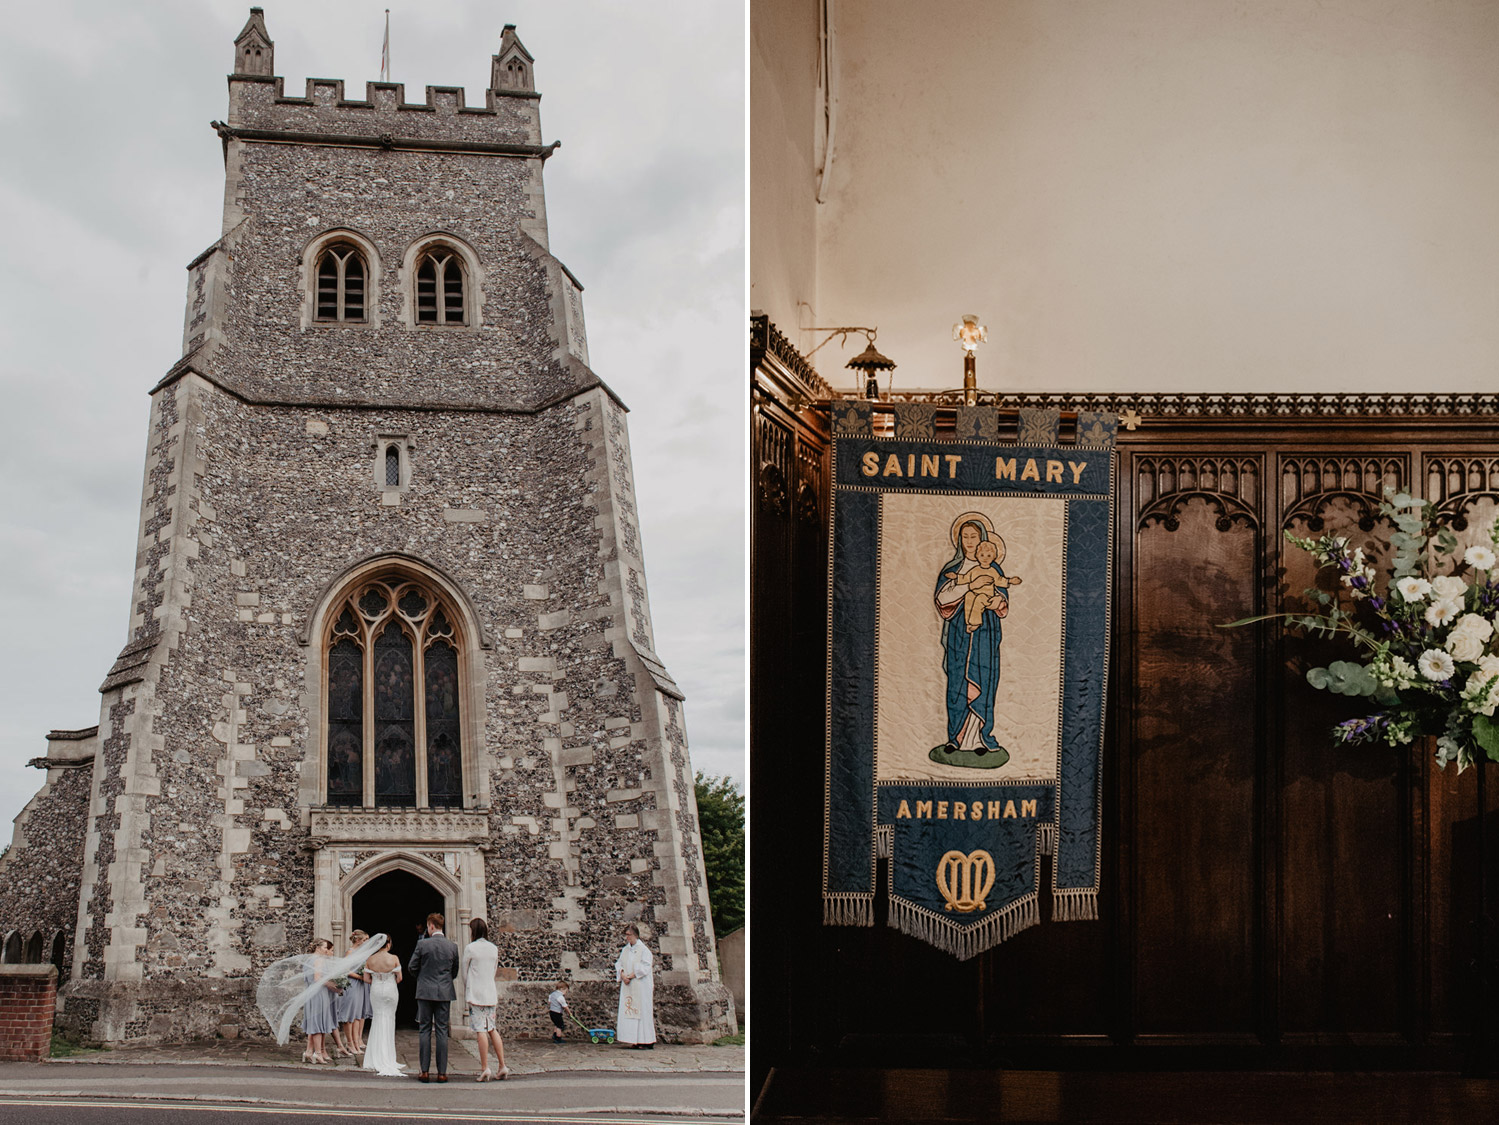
pixel 430 847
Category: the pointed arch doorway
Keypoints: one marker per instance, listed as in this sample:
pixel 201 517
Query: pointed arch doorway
pixel 397 904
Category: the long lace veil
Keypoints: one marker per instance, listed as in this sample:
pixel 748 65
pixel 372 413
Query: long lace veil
pixel 283 988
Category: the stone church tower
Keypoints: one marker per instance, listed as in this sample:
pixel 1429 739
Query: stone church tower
pixel 390 649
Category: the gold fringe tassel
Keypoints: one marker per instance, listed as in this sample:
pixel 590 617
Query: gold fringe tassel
pixel 1074 905
pixel 1046 839
pixel 961 941
pixel 848 909
pixel 884 840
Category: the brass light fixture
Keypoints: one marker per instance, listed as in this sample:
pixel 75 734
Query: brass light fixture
pixel 868 363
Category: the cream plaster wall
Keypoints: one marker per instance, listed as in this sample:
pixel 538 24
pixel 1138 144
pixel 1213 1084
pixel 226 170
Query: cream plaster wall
pixel 1156 195
pixel 785 107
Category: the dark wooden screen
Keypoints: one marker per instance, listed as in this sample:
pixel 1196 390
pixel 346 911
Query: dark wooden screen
pixel 1268 899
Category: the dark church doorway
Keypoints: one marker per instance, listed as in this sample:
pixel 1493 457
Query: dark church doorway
pixel 397 904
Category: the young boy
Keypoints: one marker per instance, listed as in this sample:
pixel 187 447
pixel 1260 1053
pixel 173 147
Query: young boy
pixel 556 1005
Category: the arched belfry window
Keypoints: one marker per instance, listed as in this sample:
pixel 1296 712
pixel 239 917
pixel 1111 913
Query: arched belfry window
pixel 341 288
pixel 394 730
pixel 441 288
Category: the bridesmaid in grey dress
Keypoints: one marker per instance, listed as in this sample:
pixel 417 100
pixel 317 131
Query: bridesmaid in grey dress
pixel 353 1002
pixel 318 1016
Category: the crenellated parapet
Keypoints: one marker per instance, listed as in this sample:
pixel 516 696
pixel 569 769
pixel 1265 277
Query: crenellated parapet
pixel 260 109
pixel 259 104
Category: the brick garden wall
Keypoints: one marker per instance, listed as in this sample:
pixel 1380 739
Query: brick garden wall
pixel 28 998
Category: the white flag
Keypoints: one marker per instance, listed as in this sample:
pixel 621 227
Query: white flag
pixel 385 51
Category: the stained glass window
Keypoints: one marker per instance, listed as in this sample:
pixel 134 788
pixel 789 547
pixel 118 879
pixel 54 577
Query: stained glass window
pixel 415 741
pixel 395 712
pixel 373 602
pixel 345 724
pixel 444 768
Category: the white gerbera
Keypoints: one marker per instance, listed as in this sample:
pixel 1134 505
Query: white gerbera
pixel 1413 589
pixel 1436 665
pixel 1480 557
pixel 1449 588
pixel 1442 613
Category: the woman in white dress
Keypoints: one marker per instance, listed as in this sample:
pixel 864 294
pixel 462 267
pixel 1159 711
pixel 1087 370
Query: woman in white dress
pixel 636 1025
pixel 384 971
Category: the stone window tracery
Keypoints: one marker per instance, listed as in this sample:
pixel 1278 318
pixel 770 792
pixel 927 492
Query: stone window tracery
pixel 394 730
pixel 440 287
pixel 341 288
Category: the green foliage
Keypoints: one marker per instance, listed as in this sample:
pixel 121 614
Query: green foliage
pixel 720 815
pixel 1344 678
pixel 1409 535
pixel 1486 734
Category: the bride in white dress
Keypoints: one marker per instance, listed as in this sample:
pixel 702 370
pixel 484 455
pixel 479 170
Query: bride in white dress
pixel 380 1050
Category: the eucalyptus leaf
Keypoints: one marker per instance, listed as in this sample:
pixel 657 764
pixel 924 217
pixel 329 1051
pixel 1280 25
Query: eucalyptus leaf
pixel 1319 678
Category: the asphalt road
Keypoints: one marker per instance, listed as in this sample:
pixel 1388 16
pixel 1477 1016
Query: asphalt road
pixel 199 1095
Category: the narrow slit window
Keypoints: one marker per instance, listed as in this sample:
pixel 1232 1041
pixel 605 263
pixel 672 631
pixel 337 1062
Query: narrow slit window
pixel 392 466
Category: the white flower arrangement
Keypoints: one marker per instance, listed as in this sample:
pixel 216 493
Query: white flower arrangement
pixel 1433 665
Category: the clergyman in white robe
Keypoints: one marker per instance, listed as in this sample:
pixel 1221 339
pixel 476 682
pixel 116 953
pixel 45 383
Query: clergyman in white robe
pixel 636 1023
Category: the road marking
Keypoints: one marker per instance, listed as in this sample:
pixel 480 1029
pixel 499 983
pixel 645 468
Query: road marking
pixel 577 1117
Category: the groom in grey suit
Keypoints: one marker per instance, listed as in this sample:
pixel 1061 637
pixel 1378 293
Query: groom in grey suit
pixel 434 963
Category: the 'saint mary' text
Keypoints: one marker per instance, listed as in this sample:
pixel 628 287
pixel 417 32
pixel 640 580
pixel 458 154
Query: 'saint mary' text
pixel 933 465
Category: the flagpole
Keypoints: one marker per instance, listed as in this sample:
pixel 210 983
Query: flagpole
pixel 385 51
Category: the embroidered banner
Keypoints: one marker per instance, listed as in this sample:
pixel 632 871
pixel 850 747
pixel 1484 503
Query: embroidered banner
pixel 969 638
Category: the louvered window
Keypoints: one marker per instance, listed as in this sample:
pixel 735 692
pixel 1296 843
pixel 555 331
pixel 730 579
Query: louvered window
pixel 341 275
pixel 440 288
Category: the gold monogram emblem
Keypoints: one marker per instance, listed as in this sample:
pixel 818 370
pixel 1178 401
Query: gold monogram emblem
pixel 964 880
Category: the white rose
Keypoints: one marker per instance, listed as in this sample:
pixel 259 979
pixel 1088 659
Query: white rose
pixel 1486 664
pixel 1479 558
pixel 1464 646
pixel 1413 589
pixel 1449 588
pixel 1442 612
pixel 1436 665
pixel 1470 624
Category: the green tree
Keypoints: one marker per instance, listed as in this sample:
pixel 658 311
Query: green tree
pixel 720 816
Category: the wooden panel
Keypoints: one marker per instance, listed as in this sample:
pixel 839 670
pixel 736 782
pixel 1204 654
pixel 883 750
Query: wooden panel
pixel 1195 765
pixel 1346 962
pixel 1291 902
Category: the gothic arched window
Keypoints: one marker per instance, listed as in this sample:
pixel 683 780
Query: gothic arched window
pixel 440 287
pixel 394 735
pixel 341 275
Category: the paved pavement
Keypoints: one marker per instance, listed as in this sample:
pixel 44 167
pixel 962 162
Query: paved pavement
pixel 545 1080
pixel 523 1056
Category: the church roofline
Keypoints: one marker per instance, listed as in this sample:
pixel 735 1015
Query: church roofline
pixel 72 735
pixel 587 382
pixel 384 141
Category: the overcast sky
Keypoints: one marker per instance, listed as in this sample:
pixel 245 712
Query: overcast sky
pixel 111 181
